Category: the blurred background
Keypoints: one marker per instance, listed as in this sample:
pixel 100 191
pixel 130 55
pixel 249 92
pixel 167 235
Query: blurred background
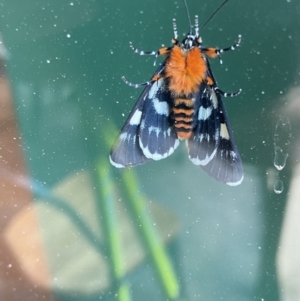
pixel 73 227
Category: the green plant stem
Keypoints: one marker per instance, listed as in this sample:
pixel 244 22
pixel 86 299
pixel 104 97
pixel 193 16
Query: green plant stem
pixel 107 210
pixel 151 240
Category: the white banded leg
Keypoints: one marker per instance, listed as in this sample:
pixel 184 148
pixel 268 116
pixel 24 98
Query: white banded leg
pixel 141 52
pixel 226 94
pixel 218 51
pixel 237 44
pixel 158 52
pixel 136 85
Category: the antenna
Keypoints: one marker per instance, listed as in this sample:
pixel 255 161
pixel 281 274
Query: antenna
pixel 188 14
pixel 222 4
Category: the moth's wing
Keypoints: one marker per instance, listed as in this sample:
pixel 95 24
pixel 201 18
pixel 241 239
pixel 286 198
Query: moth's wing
pixel 227 165
pixel 222 160
pixel 157 136
pixel 126 150
pixel 147 134
pixel 203 144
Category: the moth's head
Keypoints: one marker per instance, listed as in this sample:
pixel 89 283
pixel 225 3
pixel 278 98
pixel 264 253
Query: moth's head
pixel 191 40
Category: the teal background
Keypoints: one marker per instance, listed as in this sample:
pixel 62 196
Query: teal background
pixel 65 60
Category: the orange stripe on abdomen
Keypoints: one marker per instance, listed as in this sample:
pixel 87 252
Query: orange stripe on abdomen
pixel 183 115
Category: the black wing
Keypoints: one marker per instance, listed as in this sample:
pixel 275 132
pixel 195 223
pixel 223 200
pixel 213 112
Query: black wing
pixel 147 133
pixel 212 145
pixel 126 150
pixel 203 144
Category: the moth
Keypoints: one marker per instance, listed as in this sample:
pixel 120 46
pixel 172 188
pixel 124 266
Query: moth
pixel 182 101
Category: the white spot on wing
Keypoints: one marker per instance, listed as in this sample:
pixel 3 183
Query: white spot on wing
pixel 204 161
pixel 233 155
pixel 217 134
pixel 154 129
pixel 155 87
pixel 214 99
pixel 124 136
pixel 224 131
pixel 136 118
pixel 157 156
pixel 204 113
pixel 161 107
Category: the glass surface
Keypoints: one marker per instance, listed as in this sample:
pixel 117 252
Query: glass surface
pixel 73 227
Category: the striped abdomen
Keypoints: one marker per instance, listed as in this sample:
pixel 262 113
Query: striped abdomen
pixel 183 115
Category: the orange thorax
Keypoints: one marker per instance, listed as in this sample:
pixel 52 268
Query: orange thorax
pixel 185 70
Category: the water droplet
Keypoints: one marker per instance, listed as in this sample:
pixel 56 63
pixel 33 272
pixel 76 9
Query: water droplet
pixel 282 139
pixel 280 158
pixel 278 186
